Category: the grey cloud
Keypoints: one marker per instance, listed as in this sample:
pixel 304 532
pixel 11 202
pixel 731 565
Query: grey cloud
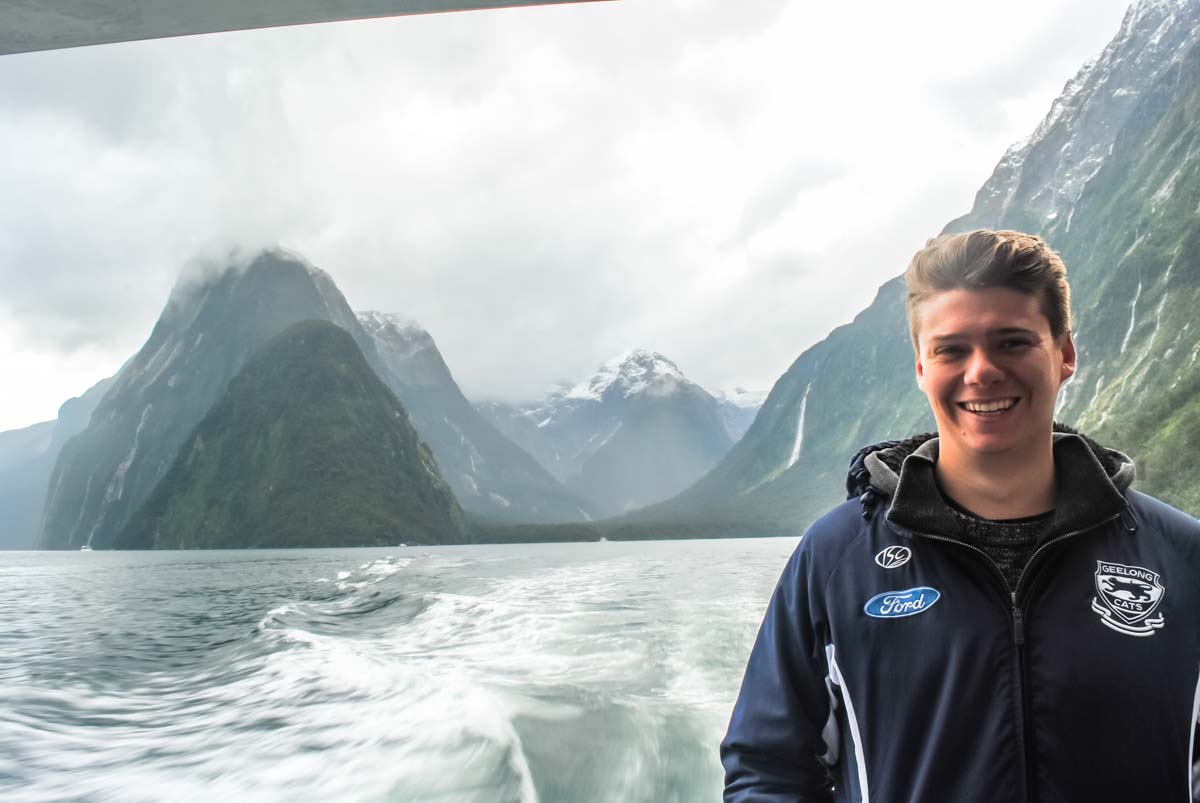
pixel 781 190
pixel 1058 44
pixel 118 93
pixel 498 176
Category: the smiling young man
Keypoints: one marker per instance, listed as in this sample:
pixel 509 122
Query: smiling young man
pixel 994 614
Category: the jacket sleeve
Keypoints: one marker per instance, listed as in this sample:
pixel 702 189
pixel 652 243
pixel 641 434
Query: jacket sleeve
pixel 772 748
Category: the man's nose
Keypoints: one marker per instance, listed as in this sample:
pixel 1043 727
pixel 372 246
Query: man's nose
pixel 982 369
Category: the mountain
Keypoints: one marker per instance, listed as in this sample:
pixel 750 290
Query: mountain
pixel 1136 243
pixel 635 432
pixel 208 329
pixel 491 475
pixel 306 448
pixel 739 408
pixel 27 457
pixel 1111 178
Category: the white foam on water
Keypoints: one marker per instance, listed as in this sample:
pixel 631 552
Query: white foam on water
pixel 485 680
pixel 384 568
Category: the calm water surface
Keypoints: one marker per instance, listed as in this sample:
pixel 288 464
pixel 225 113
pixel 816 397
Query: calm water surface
pixel 558 672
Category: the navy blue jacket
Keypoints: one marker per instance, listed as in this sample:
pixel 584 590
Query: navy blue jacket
pixel 896 665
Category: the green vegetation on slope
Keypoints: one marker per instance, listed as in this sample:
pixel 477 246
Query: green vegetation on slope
pixel 207 330
pixel 1136 258
pixel 306 448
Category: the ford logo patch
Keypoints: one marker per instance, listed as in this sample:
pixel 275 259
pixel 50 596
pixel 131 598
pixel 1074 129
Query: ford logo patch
pixel 894 604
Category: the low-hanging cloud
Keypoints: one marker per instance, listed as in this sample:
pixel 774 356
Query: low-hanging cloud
pixel 539 187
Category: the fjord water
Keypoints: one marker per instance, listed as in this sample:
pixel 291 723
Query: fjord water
pixel 551 672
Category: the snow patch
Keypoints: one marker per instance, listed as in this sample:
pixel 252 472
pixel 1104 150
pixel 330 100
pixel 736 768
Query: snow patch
pixel 628 373
pixel 604 437
pixel 740 397
pixel 377 323
pixel 498 499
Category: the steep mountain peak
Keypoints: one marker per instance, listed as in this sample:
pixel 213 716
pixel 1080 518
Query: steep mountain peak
pixel 629 374
pixel 281 254
pixel 256 470
pixel 206 270
pixel 1039 180
pixel 1144 8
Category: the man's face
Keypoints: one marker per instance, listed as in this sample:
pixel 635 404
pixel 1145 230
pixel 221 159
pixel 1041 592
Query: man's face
pixel 991 369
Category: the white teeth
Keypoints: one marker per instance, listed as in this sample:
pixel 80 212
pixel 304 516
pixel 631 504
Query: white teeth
pixel 989 407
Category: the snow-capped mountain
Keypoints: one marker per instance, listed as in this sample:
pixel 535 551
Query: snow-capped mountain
pixel 1111 178
pixel 490 474
pixel 634 432
pixel 629 374
pixel 738 408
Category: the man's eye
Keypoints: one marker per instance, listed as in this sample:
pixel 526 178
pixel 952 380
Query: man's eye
pixel 1014 342
pixel 948 351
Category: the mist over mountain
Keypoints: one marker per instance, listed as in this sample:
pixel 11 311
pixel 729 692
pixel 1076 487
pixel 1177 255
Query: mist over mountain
pixel 306 448
pixel 1111 178
pixel 635 432
pixel 210 326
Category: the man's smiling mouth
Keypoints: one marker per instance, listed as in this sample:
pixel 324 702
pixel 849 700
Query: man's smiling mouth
pixel 994 407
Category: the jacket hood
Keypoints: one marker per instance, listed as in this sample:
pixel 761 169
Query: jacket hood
pixel 1092 481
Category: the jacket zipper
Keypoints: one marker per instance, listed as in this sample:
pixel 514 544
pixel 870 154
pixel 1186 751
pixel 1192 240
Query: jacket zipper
pixel 1018 630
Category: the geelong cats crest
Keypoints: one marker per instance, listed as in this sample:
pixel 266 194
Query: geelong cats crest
pixel 1127 597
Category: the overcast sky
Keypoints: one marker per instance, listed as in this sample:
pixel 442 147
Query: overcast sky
pixel 541 188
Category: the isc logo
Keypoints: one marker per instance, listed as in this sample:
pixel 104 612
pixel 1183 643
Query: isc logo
pixel 893 556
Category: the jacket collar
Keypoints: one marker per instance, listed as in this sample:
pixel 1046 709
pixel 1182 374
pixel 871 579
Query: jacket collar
pixel 1091 481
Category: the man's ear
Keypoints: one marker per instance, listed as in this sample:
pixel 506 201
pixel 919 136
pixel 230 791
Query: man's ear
pixel 1067 347
pixel 920 368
